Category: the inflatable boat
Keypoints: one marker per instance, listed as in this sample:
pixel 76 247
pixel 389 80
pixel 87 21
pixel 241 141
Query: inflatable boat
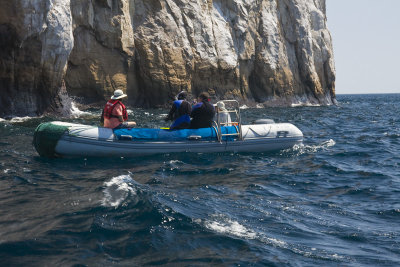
pixel 63 139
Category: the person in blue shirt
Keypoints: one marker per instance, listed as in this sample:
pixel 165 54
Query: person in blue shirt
pixel 180 113
pixel 202 113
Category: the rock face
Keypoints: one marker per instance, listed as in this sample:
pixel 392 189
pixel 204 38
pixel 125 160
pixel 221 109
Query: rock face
pixel 275 52
pixel 35 42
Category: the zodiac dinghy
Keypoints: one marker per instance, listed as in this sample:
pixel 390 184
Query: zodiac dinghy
pixel 62 139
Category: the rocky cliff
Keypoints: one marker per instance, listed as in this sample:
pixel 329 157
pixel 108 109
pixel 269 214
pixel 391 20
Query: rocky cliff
pixel 275 52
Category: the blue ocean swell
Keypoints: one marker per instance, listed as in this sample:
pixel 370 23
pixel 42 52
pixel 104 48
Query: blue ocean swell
pixel 331 201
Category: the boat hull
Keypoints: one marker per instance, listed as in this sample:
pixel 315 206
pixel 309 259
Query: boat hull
pixel 93 148
pixel 88 141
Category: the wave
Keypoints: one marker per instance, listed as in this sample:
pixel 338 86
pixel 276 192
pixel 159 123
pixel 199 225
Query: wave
pixel 168 211
pixel 118 190
pixel 224 225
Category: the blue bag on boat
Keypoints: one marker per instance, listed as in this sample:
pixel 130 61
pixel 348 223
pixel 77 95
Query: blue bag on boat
pixel 148 134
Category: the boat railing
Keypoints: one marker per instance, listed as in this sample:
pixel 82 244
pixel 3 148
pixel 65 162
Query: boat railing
pixel 232 108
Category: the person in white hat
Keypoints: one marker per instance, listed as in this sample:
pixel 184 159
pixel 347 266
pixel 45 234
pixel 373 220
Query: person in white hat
pixel 114 114
pixel 223 114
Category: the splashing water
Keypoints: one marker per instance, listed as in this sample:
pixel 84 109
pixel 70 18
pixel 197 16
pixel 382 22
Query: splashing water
pixel 75 112
pixel 118 190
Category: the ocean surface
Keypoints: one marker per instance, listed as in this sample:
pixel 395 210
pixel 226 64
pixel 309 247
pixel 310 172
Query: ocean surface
pixel 333 201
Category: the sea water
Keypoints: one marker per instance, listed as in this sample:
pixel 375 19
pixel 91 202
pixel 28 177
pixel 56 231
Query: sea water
pixel 332 201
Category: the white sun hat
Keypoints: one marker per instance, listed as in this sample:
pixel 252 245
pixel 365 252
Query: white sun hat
pixel 118 94
pixel 221 106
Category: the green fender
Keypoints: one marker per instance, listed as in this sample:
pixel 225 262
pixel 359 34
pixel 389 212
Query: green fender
pixel 46 138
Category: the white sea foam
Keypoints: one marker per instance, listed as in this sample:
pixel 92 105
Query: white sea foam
pixel 259 106
pixel 305 104
pixel 75 112
pixel 173 164
pixel 301 148
pixel 225 225
pixel 117 190
pixel 244 107
pixel 228 226
pixel 328 143
pixel 275 242
pixel 21 119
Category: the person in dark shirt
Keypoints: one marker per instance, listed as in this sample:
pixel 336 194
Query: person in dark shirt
pixel 180 113
pixel 202 113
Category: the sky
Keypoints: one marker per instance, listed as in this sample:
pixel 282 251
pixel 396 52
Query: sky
pixel 366 45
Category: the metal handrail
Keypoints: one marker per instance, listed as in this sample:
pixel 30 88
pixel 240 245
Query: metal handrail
pixel 238 123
